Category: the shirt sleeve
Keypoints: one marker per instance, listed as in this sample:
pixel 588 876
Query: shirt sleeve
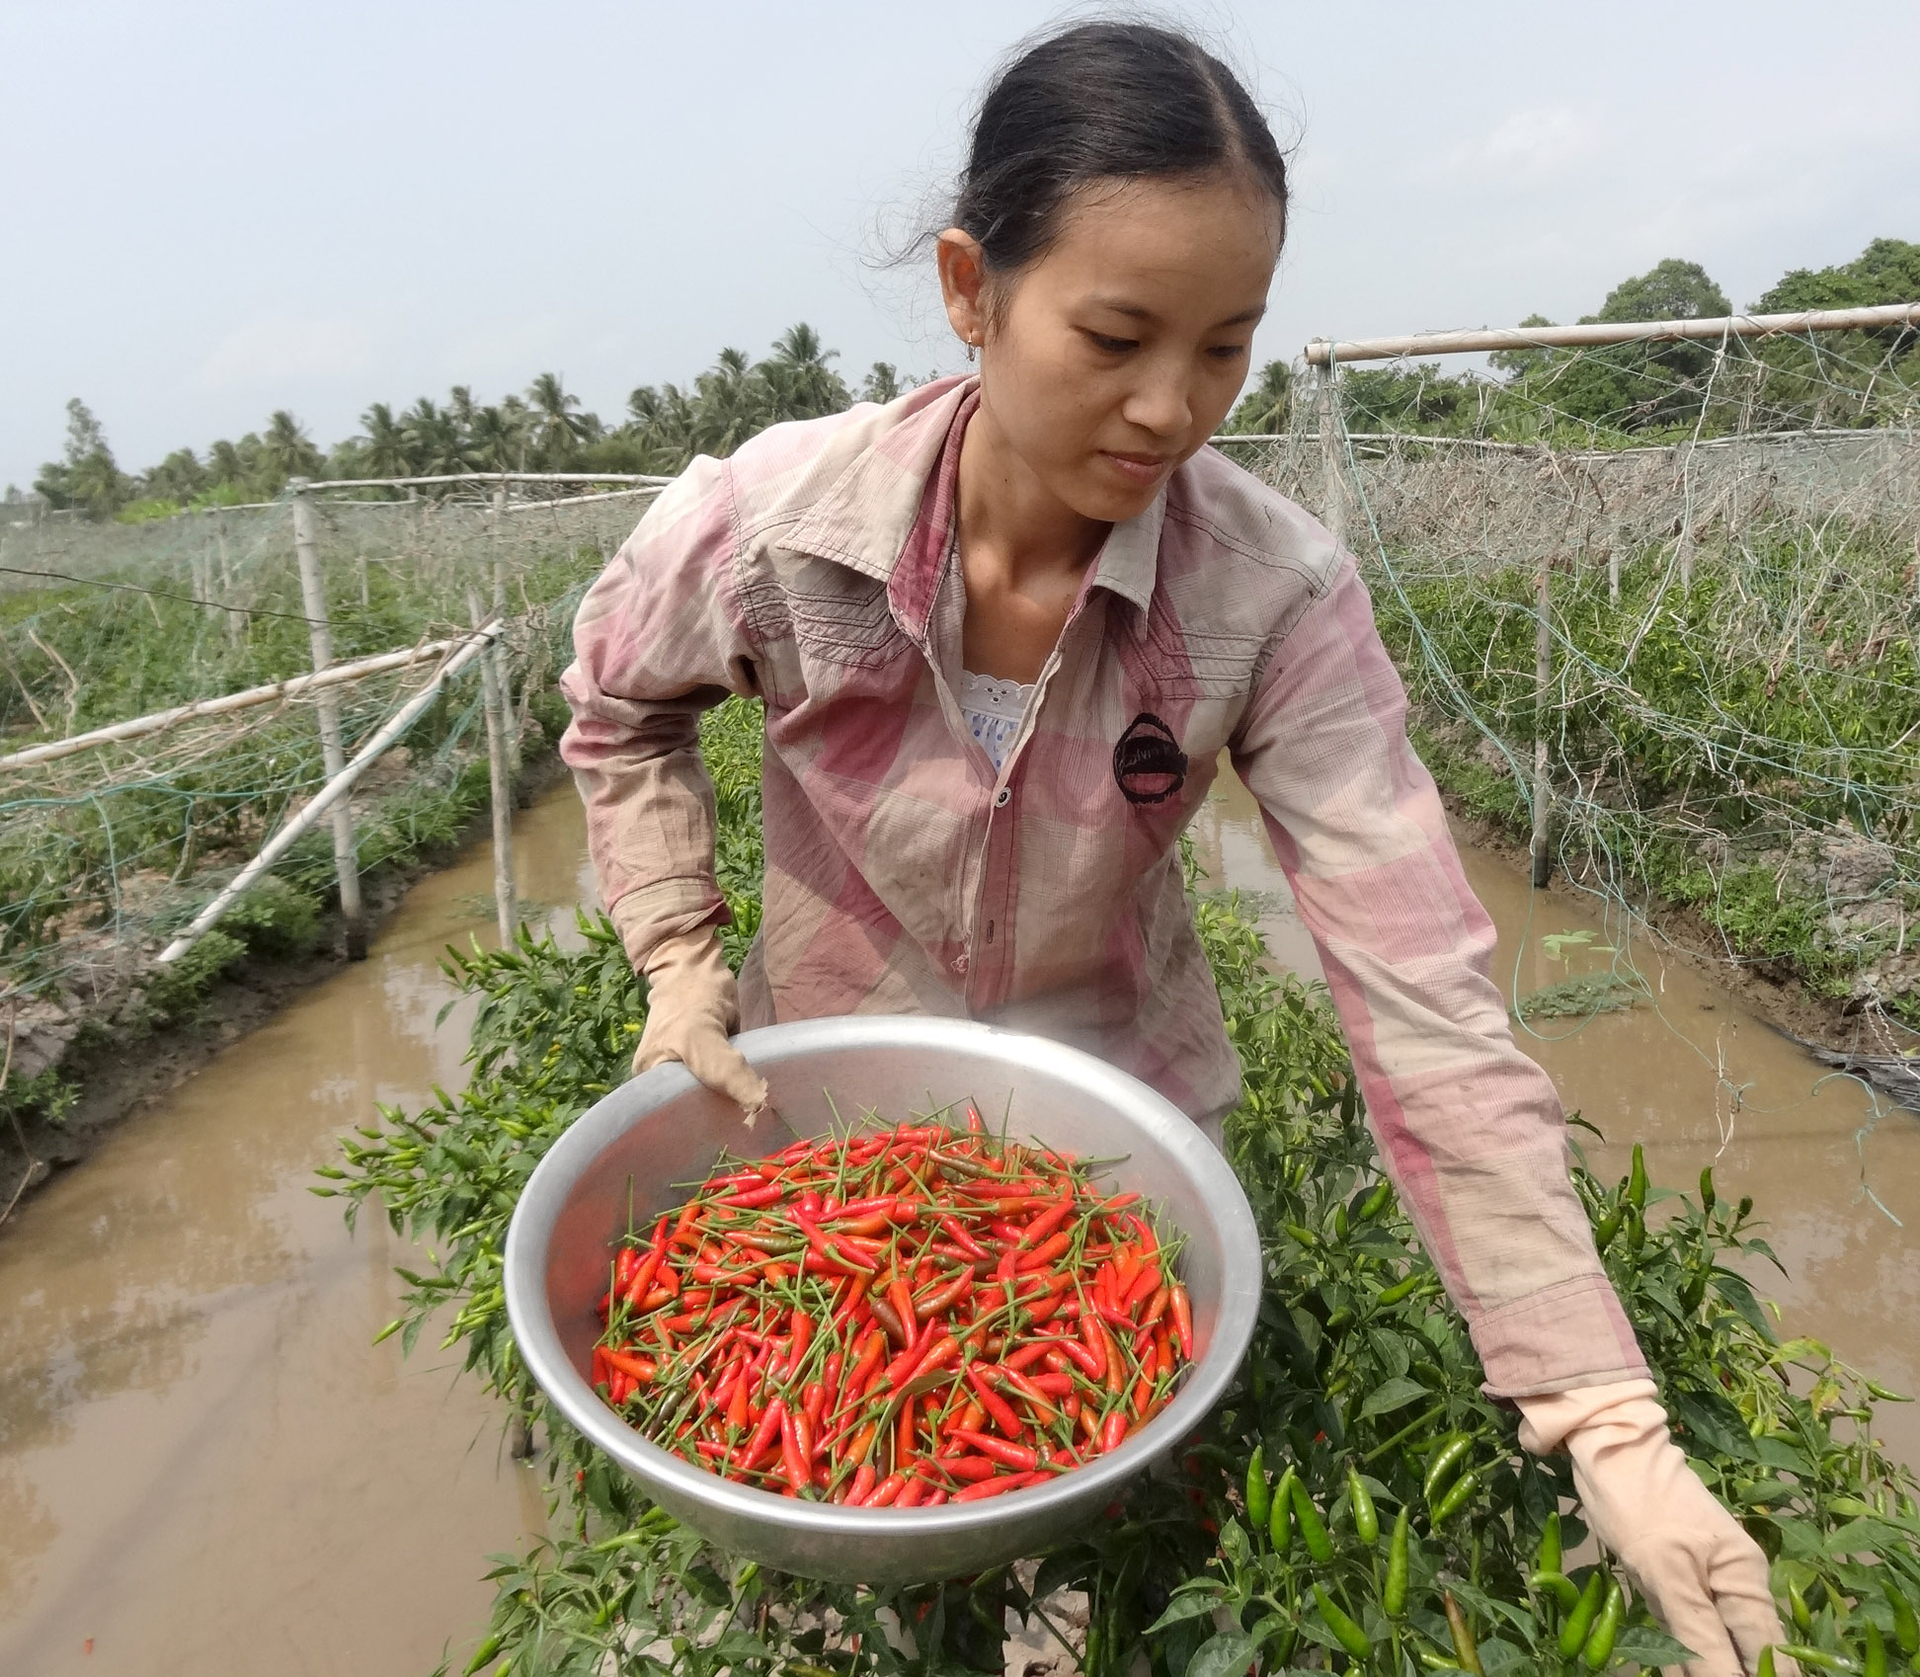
pixel 1470 1130
pixel 658 639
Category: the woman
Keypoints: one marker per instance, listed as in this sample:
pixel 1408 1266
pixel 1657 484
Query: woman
pixel 1003 628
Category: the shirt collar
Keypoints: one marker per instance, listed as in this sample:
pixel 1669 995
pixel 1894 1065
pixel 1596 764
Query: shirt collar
pixel 890 515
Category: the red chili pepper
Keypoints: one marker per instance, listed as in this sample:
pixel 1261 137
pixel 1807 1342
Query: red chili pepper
pixel 995 1487
pixel 1112 1431
pixel 1182 1319
pixel 1001 1450
pixel 1002 1412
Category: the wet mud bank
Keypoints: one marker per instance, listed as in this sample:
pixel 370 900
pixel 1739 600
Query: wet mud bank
pixel 117 1073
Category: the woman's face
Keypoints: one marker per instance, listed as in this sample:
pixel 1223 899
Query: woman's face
pixel 1114 356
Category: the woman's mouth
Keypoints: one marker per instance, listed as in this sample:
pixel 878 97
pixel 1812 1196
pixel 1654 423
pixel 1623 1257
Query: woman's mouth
pixel 1138 468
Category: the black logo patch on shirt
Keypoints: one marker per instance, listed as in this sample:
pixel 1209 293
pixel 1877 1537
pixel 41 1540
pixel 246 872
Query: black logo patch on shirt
pixel 1148 764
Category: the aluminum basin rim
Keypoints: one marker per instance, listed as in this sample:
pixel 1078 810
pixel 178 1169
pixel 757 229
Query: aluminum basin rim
pixel 531 1318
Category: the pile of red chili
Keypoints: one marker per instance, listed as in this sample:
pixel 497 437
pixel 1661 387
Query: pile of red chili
pixel 895 1318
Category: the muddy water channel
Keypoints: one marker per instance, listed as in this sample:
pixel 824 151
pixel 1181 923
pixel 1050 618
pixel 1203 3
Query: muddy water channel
pixel 1699 1080
pixel 205 1467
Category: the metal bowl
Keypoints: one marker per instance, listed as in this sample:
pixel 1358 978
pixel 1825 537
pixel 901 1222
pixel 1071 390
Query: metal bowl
pixel 622 1157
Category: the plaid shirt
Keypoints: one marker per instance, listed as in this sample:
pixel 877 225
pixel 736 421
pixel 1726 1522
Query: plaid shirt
pixel 817 569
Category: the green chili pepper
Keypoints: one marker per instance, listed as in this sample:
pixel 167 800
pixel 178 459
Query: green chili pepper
pixel 1693 1290
pixel 1465 1649
pixel 1340 1224
pixel 1399 1290
pixel 1366 1521
pixel 1305 1236
pixel 1548 1558
pixel 1313 1529
pixel 1818 1658
pixel 1875 1663
pixel 1259 1493
pixel 1906 1628
pixel 1349 1635
pixel 1376 1202
pixel 1707 1195
pixel 1558 1585
pixel 1573 1634
pixel 1280 1527
pixel 1745 1209
pixel 481 1655
pixel 1636 1233
pixel 1393 1594
pixel 1637 1178
pixel 1606 1229
pixel 1598 1652
pixel 1452 1452
pixel 1764 1667
pixel 1797 1608
pixel 1456 1498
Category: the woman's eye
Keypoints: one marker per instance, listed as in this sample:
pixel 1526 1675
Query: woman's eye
pixel 1113 346
pixel 1227 352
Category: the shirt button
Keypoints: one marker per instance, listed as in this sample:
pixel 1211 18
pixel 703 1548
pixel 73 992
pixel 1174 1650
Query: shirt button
pixel 1003 797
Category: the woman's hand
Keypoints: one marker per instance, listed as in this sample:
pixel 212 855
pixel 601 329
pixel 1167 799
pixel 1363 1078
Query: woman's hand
pixel 1704 1577
pixel 693 1006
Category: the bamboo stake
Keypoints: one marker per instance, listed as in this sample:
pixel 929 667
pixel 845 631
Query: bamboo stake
pixel 313 594
pixel 1542 680
pixel 329 796
pixel 499 777
pixel 138 727
pixel 1333 500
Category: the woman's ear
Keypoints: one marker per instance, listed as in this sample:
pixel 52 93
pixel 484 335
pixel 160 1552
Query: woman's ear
pixel 963 281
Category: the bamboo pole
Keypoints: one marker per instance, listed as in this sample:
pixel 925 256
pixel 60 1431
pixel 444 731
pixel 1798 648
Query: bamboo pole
pixel 138 727
pixel 491 477
pixel 1333 499
pixel 313 594
pixel 1542 683
pixel 329 797
pixel 1595 333
pixel 499 777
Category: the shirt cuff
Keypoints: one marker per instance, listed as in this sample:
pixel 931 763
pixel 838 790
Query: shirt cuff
pixel 1571 1334
pixel 649 913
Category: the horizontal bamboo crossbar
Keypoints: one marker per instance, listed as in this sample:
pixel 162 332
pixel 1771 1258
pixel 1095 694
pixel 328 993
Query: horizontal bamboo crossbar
pixel 139 727
pixel 1600 332
pixel 486 477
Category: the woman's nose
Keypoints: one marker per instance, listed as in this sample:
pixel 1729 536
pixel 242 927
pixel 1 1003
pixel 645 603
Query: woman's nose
pixel 1160 403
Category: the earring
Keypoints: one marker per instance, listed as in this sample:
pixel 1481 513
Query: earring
pixel 969 352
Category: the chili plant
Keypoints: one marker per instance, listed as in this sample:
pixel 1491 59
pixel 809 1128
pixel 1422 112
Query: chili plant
pixel 1354 1503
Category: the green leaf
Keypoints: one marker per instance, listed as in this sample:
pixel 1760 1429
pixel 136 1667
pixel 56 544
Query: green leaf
pixel 1713 1424
pixel 1189 1603
pixel 1225 1655
pixel 1391 1395
pixel 1647 1646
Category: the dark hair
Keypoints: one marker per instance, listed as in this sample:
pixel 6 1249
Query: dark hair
pixel 1100 101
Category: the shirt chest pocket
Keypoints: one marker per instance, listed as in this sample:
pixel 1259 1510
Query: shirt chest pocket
pixel 1184 666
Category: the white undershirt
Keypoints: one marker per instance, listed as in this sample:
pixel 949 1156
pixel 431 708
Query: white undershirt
pixel 994 711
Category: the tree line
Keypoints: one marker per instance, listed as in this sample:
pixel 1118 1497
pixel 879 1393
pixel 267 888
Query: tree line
pixel 1627 392
pixel 545 430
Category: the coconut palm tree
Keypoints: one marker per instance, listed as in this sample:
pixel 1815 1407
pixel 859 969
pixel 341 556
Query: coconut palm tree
pixel 798 376
pixel 497 437
pixel 557 429
pixel 663 424
pixel 729 404
pixel 389 453
pixel 882 384
pixel 286 450
pixel 434 439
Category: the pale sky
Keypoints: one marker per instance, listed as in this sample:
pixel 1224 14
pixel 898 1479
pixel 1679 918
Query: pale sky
pixel 215 210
